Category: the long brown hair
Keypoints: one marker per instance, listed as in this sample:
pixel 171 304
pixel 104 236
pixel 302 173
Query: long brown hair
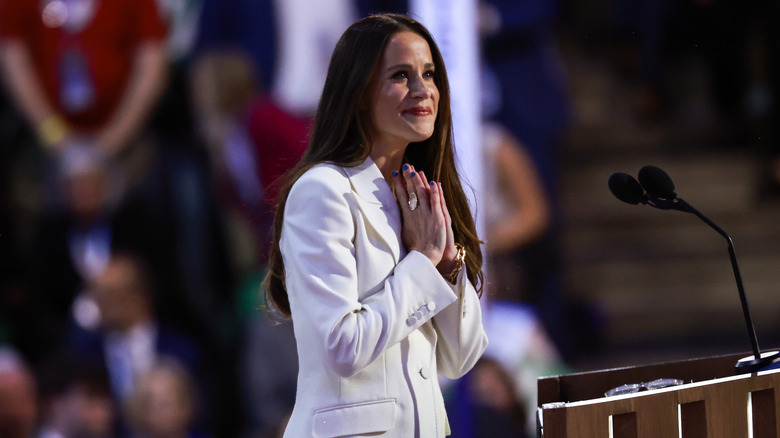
pixel 342 135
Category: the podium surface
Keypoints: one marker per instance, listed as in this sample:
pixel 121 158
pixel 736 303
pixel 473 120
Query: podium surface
pixel 712 402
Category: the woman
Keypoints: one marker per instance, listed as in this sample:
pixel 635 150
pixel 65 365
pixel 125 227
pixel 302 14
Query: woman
pixel 364 257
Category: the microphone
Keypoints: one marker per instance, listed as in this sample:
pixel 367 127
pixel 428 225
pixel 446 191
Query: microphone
pixel 657 182
pixel 626 188
pixel 656 189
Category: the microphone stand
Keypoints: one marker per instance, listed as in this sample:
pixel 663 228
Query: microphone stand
pixel 758 360
pixel 627 189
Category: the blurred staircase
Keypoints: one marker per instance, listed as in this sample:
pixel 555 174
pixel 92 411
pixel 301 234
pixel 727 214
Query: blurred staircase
pixel 663 279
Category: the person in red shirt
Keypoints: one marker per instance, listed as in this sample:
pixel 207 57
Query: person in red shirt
pixel 83 71
pixel 84 75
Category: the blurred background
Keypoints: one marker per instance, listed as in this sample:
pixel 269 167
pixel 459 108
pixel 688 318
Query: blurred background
pixel 142 141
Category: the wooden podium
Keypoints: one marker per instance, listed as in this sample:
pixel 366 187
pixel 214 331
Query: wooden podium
pixel 712 403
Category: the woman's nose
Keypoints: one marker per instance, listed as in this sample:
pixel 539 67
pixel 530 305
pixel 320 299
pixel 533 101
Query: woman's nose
pixel 419 89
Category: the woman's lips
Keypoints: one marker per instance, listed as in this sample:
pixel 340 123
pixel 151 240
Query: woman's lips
pixel 418 111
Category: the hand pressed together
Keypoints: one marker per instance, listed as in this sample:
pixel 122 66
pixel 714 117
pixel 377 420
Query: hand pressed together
pixel 427 228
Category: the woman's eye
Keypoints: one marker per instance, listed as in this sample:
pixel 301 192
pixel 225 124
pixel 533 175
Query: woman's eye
pixel 400 75
pixel 428 74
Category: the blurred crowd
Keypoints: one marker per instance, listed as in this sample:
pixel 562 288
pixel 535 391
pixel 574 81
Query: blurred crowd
pixel 142 142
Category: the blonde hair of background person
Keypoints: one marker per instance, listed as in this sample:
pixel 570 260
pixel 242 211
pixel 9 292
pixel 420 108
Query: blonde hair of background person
pixel 518 211
pixel 380 295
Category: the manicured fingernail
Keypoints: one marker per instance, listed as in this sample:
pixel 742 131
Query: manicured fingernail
pixel 432 183
pixel 395 173
pixel 412 174
pixel 405 167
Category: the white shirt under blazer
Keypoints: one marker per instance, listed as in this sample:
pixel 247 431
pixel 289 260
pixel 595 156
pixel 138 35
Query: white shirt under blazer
pixel 373 323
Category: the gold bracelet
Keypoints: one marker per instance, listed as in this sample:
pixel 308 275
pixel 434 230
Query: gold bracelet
pixel 52 130
pixel 460 258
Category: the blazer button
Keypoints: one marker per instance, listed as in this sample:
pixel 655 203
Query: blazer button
pixel 425 372
pixel 418 314
pixel 431 306
pixel 412 320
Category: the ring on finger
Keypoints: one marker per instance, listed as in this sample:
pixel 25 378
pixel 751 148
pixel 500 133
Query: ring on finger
pixel 413 201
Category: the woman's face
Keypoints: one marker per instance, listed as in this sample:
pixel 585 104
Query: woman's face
pixel 405 97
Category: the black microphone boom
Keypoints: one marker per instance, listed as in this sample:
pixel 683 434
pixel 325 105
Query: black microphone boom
pixel 655 188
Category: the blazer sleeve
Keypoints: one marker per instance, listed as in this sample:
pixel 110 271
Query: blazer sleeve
pixel 318 247
pixel 461 336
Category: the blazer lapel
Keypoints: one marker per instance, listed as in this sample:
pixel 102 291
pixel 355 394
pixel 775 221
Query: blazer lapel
pixel 377 203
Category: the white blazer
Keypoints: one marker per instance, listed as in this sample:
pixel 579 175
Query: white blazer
pixel 373 324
